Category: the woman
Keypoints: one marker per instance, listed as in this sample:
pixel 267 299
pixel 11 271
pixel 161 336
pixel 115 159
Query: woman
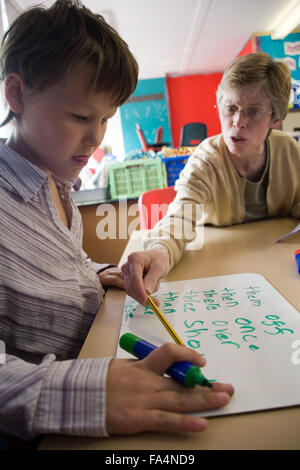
pixel 246 173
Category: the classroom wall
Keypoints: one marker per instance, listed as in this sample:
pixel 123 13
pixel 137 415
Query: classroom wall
pixel 287 50
pixel 248 47
pixel 192 99
pixel 147 107
pixel 109 249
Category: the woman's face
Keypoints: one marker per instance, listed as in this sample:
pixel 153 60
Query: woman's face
pixel 246 117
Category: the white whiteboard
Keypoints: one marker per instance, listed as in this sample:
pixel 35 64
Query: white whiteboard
pixel 245 329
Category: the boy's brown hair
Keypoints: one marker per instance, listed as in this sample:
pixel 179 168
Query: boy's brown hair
pixel 44 44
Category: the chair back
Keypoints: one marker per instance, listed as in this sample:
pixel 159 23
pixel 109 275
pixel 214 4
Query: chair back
pixel 153 205
pixel 157 145
pixel 192 134
pixel 141 137
pixel 159 135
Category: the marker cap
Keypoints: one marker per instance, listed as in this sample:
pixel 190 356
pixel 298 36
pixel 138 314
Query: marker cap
pixel 128 342
pixel 194 377
pixel 297 258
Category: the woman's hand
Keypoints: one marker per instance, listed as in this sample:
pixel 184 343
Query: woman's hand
pixel 143 270
pixel 140 398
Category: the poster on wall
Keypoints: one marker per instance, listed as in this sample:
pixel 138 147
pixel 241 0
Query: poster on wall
pixel 146 111
pixel 288 51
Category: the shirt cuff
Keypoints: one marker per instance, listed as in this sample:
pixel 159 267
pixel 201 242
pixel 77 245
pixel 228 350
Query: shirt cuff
pixel 73 398
pixel 97 267
pixel 103 267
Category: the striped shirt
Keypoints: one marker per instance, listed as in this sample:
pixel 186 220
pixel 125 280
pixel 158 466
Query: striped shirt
pixel 49 296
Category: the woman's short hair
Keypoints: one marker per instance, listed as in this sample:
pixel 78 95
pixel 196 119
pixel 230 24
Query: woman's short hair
pixel 259 69
pixel 43 44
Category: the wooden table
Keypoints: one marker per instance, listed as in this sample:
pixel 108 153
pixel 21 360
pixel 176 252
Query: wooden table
pixel 241 248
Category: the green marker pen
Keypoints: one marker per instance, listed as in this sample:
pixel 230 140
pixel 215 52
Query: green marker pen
pixel 185 373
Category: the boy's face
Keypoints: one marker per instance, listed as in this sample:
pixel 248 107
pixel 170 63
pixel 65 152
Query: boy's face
pixel 60 127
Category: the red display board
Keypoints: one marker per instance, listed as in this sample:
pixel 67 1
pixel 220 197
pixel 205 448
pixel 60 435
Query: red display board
pixel 248 47
pixel 192 99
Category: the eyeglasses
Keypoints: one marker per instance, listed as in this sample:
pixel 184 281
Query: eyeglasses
pixel 250 114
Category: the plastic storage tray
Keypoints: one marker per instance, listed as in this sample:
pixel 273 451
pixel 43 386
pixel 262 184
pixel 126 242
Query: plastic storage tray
pixel 173 166
pixel 131 178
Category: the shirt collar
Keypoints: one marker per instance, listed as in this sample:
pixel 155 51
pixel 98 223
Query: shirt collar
pixel 25 177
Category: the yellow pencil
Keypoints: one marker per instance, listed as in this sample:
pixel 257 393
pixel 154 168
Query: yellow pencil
pixel 164 321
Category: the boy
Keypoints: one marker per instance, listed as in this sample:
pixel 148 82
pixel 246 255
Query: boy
pixel 65 71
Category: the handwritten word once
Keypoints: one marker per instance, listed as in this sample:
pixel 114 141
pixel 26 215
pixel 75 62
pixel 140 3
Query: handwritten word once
pixel 246 328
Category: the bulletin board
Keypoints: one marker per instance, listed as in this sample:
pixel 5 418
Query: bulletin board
pixel 248 333
pixel 287 50
pixel 148 106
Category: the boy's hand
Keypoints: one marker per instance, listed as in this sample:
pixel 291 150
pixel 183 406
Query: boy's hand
pixel 111 277
pixel 140 398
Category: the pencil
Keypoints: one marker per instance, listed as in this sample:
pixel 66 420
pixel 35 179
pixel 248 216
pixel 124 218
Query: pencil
pixel 164 321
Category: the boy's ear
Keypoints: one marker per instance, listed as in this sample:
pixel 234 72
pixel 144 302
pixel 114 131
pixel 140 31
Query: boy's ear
pixel 14 92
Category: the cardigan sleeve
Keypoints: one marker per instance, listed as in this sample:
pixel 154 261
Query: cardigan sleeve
pixel 202 197
pixel 178 227
pixel 283 194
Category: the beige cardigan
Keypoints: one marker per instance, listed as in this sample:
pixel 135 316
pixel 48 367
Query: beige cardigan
pixel 210 178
